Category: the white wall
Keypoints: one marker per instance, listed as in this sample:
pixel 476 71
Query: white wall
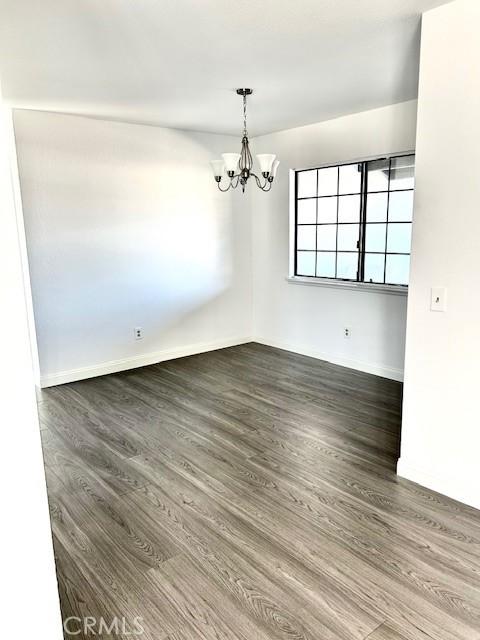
pixel 30 604
pixel 125 228
pixel 441 428
pixel 310 319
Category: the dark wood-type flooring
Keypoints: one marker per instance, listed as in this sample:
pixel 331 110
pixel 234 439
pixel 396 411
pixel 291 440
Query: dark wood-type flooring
pixel 250 494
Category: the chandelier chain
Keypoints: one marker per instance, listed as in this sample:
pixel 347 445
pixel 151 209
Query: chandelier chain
pixel 245 132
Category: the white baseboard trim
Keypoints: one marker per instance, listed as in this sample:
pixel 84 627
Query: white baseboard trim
pixel 366 367
pixel 114 366
pixel 459 487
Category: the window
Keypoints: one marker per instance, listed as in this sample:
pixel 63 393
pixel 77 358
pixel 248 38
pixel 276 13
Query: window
pixel 354 221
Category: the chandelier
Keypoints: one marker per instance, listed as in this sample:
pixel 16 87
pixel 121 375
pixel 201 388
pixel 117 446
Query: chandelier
pixel 238 166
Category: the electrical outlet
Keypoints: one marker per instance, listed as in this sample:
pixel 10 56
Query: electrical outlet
pixel 347 332
pixel 138 332
pixel 438 299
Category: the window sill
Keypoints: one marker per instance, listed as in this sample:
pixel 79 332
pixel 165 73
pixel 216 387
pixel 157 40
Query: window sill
pixel 391 289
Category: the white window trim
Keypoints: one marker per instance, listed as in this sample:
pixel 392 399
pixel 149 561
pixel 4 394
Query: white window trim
pixel 372 287
pixel 392 289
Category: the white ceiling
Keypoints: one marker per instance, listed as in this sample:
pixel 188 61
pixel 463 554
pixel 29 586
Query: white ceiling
pixel 176 62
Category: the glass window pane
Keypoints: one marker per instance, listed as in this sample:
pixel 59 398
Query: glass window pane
pixel 347 265
pixel 377 175
pixel 305 263
pixel 350 178
pixel 327 237
pixel 328 181
pixel 348 235
pixel 349 209
pixel 375 237
pixel 327 210
pixel 307 211
pixel 377 207
pixel 325 265
pixel 306 237
pixel 400 206
pixel 399 237
pixel 397 271
pixel 307 184
pixel 374 267
pixel 402 173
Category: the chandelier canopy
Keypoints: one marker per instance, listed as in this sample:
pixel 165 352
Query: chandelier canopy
pixel 238 166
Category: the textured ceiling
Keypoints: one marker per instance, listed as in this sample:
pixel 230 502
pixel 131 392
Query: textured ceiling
pixel 176 62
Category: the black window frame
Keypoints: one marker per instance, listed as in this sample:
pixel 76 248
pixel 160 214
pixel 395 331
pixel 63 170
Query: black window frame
pixel 361 244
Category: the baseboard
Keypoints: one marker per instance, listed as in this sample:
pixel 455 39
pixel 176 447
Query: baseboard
pixel 459 487
pixel 114 366
pixel 367 367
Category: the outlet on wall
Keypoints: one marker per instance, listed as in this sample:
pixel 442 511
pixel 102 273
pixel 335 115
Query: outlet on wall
pixel 438 299
pixel 138 332
pixel 347 332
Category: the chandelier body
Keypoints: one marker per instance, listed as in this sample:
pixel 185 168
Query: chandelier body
pixel 239 166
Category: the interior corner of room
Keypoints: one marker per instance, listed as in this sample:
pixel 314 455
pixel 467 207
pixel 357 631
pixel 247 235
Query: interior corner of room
pixel 194 269
pixel 198 270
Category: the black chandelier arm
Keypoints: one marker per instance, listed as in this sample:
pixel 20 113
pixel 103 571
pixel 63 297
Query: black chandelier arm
pixel 266 186
pixel 233 184
pixel 239 178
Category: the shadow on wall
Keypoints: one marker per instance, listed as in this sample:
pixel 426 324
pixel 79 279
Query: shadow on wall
pixel 124 227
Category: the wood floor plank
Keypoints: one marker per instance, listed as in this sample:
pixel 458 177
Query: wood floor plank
pixel 334 520
pixel 461 561
pixel 385 632
pixel 250 493
pixel 133 532
pixel 104 571
pixel 276 604
pixel 232 521
pixel 202 609
pixel 76 439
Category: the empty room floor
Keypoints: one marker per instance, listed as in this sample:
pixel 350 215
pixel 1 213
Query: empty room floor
pixel 250 493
